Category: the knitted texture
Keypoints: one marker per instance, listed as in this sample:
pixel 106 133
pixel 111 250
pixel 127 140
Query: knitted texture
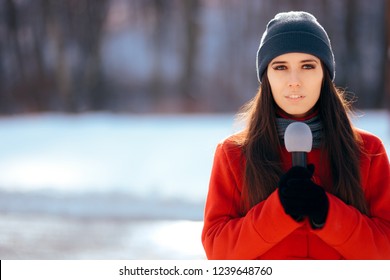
pixel 294 32
pixel 314 124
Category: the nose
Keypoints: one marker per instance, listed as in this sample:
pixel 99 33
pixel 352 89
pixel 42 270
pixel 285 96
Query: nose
pixel 294 81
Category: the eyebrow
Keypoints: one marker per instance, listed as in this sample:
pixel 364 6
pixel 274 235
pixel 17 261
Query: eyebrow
pixel 309 60
pixel 302 61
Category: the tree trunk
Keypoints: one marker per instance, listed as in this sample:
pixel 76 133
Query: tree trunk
pixel 187 81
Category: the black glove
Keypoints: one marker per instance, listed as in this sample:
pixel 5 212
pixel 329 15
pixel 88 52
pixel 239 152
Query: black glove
pixel 301 197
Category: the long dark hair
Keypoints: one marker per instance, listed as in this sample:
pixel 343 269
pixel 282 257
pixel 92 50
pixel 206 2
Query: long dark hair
pixel 261 146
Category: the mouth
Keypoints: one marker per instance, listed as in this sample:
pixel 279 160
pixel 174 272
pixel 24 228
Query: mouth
pixel 295 97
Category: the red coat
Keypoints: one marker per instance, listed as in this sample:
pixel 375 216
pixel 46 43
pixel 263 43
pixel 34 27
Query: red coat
pixel 267 232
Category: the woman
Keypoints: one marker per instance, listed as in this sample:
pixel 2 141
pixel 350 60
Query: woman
pixel 258 205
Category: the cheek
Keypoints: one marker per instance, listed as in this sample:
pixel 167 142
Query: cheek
pixel 276 93
pixel 316 89
pixel 276 86
pixel 318 81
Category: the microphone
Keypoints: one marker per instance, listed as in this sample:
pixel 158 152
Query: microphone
pixel 298 140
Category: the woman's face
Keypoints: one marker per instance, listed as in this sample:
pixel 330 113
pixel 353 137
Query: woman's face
pixel 296 80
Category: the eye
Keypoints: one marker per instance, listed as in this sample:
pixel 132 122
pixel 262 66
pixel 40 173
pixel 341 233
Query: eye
pixel 280 67
pixel 308 66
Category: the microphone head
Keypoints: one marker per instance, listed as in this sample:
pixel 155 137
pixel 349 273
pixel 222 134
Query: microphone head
pixel 298 137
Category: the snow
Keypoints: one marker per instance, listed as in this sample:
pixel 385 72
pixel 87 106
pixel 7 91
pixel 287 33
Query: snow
pixel 95 164
pixel 118 165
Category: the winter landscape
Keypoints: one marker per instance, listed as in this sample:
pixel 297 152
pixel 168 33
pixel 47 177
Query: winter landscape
pixel 110 112
pixel 108 186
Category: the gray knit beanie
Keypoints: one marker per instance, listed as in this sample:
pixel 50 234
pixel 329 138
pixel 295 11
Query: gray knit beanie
pixel 294 32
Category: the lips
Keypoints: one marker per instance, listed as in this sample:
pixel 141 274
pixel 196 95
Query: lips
pixel 294 96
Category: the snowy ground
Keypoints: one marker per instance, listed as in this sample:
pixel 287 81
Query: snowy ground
pixel 57 237
pixel 103 186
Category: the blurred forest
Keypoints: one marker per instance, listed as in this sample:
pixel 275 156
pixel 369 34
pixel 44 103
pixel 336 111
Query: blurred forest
pixel 163 56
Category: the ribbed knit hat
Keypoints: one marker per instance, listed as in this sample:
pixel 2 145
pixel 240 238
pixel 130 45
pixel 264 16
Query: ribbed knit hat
pixel 294 32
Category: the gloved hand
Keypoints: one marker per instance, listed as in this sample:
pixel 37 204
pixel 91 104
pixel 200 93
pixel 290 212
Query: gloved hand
pixel 301 197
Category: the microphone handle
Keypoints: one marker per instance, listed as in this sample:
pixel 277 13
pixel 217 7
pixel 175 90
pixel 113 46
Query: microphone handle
pixel 298 159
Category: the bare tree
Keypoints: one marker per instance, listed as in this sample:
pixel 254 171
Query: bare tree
pixel 199 54
pixel 75 28
pixel 160 10
pixel 187 80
